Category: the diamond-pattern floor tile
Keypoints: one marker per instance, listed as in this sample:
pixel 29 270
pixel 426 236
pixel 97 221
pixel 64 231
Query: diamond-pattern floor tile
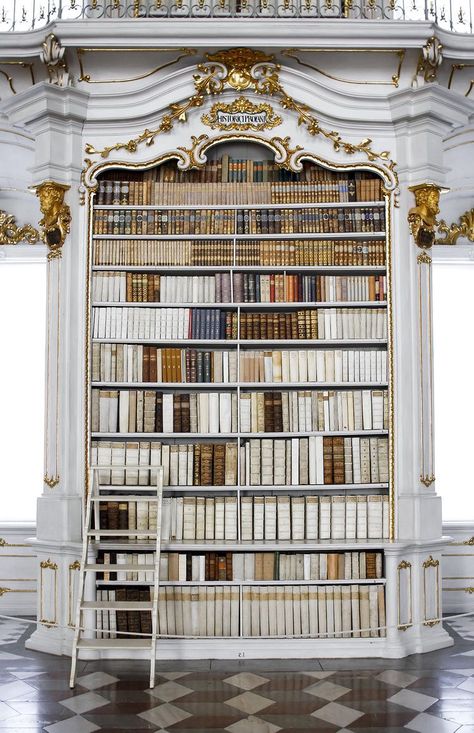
pixel 326 690
pixel 94 680
pixel 467 685
pixel 396 678
pixel 253 725
pixel 249 702
pixel 337 714
pixel 6 711
pixel 165 715
pixel 246 680
pixel 169 691
pixel 425 723
pixel 15 690
pixel 413 700
pixel 173 675
pixel 72 725
pixel 83 703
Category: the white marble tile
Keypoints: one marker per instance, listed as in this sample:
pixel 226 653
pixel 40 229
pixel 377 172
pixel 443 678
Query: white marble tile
pixel 413 700
pixel 464 672
pixel 15 690
pixel 337 714
pixel 318 675
pixel 396 678
pixel 169 691
pixel 72 725
pixel 467 685
pixel 327 690
pixel 172 675
pixel 95 680
pixel 246 680
pixel 253 725
pixel 249 702
pixel 165 714
pixel 84 703
pixel 425 723
pixel 6 711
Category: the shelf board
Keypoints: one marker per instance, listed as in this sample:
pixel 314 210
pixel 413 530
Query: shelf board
pixel 240 583
pixel 224 386
pixel 118 605
pixel 359 269
pixel 244 237
pixel 247 306
pixel 320 488
pixel 295 343
pixel 247 546
pixel 231 436
pixel 243 207
pixel 131 497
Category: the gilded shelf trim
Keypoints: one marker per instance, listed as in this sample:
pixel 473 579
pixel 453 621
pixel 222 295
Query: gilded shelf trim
pixel 12 233
pixel 4 543
pixel 394 80
pixel 48 564
pixel 431 563
pixel 452 232
pixel 240 69
pixel 3 591
pixel 183 53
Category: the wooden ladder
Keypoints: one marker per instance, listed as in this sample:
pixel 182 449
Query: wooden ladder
pixel 84 637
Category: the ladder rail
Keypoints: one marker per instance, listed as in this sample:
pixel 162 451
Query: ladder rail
pixel 82 578
pixel 156 583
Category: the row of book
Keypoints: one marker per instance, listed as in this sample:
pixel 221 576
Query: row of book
pixel 271 518
pixel 148 411
pixel 238 221
pixel 241 566
pixel 138 363
pixel 311 461
pixel 236 170
pixel 244 287
pixel 220 324
pixel 253 253
pixel 320 611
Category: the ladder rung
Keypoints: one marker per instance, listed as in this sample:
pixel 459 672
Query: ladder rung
pixel 123 497
pixel 118 605
pixel 122 533
pixel 128 568
pixel 121 643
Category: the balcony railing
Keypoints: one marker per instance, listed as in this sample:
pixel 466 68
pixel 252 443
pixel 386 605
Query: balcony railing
pixel 25 15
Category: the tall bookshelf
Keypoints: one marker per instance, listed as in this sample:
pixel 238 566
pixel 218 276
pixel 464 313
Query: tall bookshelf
pixel 249 305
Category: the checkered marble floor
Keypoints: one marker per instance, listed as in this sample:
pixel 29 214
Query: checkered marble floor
pixel 432 693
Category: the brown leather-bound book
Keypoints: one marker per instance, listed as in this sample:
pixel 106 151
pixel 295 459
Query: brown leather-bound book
pixel 133 617
pixel 333 565
pixel 193 361
pixel 129 287
pixel 189 567
pixel 167 366
pixel 145 616
pixel 370 565
pixel 159 412
pixel 197 465
pixel 258 565
pixel 269 566
pixel 177 413
pixel 281 326
pixel 243 325
pixel 150 288
pixel 173 566
pixel 268 412
pixel 301 324
pixel 153 364
pixel 112 515
pixel 338 460
pixel 156 288
pixel 277 412
pixel 219 465
pixel 122 618
pixel 146 363
pixel 327 460
pixel 341 565
pixel 185 413
pixel 212 566
pixel 123 515
pixel 228 566
pixel 221 567
pixel 206 464
pixel 103 515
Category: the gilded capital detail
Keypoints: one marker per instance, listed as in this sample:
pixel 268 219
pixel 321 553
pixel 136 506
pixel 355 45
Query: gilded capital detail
pixel 12 233
pixel 422 217
pixel 53 57
pixel 55 224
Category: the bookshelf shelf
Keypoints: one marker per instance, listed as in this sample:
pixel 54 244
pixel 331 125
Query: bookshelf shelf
pixel 217 476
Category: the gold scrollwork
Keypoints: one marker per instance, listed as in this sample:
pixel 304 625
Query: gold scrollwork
pixel 431 623
pixel 56 221
pixel 242 68
pixel 182 53
pixel 292 53
pixel 422 216
pixel 16 590
pixel 408 615
pixel 470 541
pixel 431 563
pixel 241 115
pixel 452 232
pixel 48 564
pixel 51 481
pixel 53 57
pixel 460 67
pixel 4 543
pixel 23 65
pixel 427 480
pixel 75 565
pixel 403 565
pixel 423 259
pixel 469 590
pixel 430 58
pixel 11 233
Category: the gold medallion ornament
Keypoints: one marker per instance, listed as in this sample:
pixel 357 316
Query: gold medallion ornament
pixel 465 229
pixel 56 221
pixel 241 115
pixel 422 217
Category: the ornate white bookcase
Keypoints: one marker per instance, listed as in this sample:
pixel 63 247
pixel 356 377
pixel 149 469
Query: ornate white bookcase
pixel 82 136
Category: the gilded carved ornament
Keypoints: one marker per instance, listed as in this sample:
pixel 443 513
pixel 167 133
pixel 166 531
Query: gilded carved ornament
pixel 48 564
pixel 55 224
pixel 422 217
pixel 431 563
pixel 428 479
pixel 452 232
pixel 53 57
pixel 241 115
pixel 11 233
pixel 51 481
pixel 241 69
pixel 430 59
